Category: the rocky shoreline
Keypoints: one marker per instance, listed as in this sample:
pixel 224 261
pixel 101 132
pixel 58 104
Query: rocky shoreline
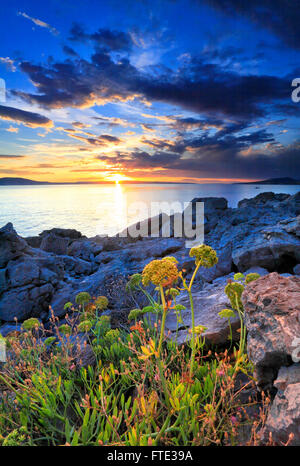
pixel 52 268
pixel 38 275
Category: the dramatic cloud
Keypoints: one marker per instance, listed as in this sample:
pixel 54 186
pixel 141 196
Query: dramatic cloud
pixel 213 161
pixel 200 87
pixel 39 23
pixel 281 17
pixel 30 119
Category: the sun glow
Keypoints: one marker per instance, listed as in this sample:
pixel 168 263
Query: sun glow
pixel 117 177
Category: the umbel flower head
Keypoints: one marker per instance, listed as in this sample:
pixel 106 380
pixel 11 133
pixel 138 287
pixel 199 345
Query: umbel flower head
pixel 204 255
pixel 30 324
pixel 162 272
pixel 83 298
pixel 101 302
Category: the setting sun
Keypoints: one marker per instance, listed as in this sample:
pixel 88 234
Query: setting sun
pixel 117 177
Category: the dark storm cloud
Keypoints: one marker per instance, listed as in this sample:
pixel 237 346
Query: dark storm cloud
pixel 140 159
pixel 216 161
pixel 103 38
pixel 198 86
pixel 281 17
pixel 30 119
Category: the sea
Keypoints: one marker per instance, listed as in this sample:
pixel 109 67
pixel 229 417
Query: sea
pixel 107 209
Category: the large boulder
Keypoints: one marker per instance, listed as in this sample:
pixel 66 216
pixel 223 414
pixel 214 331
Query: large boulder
pixel 28 278
pixel 272 318
pixel 263 232
pixel 69 233
pixel 268 248
pixel 12 245
pixel 24 302
pixel 55 244
pixel 84 249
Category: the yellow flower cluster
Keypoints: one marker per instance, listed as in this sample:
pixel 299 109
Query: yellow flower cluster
pixel 162 272
pixel 205 256
pixel 101 303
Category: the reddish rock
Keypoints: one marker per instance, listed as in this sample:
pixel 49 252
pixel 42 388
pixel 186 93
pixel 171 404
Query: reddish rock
pixel 272 317
pixel 283 421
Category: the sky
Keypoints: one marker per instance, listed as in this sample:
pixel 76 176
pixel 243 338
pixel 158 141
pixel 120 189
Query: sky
pixel 149 90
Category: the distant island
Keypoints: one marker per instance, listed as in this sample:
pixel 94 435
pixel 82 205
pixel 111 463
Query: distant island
pixel 285 180
pixel 10 181
pixel 20 182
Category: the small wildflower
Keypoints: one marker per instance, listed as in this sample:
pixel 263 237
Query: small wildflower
pixel 83 298
pixel 85 326
pixel 134 281
pixel 49 341
pixel 135 314
pixel 172 292
pixel 199 329
pixel 239 276
pixel 234 292
pixel 65 329
pixel 138 327
pixel 101 303
pixel 251 277
pixel 170 258
pixel 205 256
pixel 67 306
pixel 30 324
pixel 226 313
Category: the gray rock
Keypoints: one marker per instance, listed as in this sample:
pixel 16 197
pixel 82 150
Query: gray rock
pixel 34 241
pixel 84 249
pixel 63 233
pixel 8 328
pixel 12 245
pixel 272 318
pixel 266 248
pixel 76 267
pixel 262 199
pixel 55 244
pixel 212 204
pixel 22 272
pixel 260 270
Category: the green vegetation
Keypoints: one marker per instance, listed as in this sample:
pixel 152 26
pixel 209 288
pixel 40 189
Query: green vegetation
pixel 138 388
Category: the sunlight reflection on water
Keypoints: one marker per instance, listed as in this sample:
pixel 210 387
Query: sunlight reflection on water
pixel 101 209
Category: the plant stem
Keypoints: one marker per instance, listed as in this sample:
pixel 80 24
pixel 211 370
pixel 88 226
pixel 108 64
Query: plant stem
pixel 163 322
pixel 193 332
pixel 193 319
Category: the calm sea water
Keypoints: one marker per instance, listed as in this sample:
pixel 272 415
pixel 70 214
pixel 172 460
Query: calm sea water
pixel 106 209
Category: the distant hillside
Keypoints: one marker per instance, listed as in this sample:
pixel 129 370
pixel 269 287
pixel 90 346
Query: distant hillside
pixel 19 181
pixel 275 181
